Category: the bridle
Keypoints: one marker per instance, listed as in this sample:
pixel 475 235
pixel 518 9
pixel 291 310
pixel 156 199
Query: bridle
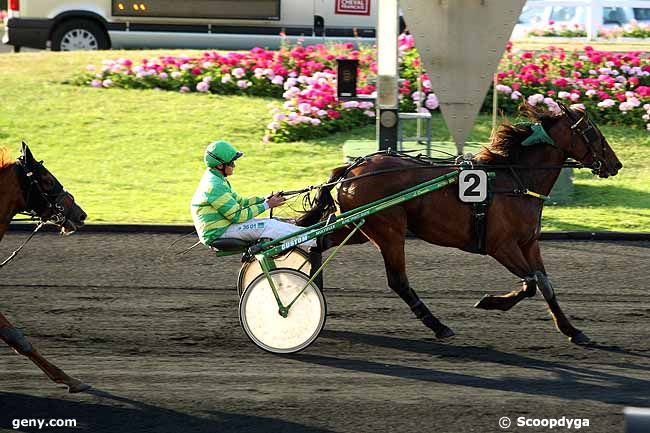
pixel 41 204
pixel 44 206
pixel 586 129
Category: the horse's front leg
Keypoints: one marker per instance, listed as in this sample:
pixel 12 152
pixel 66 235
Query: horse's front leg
pixel 533 256
pixel 17 341
pixel 561 321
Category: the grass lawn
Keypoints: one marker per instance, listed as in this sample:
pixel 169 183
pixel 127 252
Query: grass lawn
pixel 136 156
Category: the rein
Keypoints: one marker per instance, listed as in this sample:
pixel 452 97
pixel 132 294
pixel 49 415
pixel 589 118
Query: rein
pixel 15 253
pixel 430 164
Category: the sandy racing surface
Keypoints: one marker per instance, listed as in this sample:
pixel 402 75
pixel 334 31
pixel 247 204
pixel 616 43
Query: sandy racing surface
pixel 160 341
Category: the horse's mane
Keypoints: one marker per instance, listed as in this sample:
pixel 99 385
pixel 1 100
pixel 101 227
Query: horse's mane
pixel 505 145
pixel 5 157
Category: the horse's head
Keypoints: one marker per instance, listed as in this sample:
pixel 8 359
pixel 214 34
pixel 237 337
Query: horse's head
pixel 46 198
pixel 581 139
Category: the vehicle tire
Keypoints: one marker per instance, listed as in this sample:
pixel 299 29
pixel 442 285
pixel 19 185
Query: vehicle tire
pixel 295 259
pixel 16 48
pixel 260 318
pixel 77 35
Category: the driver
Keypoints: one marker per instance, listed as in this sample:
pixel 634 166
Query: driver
pixel 219 212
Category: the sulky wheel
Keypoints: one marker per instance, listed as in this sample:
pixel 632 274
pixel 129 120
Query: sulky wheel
pixel 261 320
pixel 295 259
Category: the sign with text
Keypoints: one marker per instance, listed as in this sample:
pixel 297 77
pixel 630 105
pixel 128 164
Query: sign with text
pixel 472 186
pixel 353 7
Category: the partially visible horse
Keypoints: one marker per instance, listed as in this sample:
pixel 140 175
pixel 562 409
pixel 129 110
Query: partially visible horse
pixel 513 219
pixel 26 186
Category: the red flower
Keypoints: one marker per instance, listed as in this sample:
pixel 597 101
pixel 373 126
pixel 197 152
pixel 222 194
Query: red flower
pixel 560 82
pixel 527 55
pixel 333 114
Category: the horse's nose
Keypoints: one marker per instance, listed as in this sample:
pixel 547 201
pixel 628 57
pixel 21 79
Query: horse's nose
pixel 83 216
pixel 619 165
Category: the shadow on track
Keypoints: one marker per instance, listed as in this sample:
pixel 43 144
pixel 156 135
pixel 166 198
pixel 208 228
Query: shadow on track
pixel 131 416
pixel 569 382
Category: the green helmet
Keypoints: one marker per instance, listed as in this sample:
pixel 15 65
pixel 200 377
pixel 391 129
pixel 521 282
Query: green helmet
pixel 220 152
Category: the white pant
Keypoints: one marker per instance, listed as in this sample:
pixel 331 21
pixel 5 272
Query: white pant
pixel 271 228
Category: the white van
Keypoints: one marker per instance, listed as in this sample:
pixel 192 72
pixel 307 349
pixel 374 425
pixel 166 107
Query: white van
pixel 224 24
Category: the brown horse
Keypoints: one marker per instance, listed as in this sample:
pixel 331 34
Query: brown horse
pixel 513 219
pixel 27 187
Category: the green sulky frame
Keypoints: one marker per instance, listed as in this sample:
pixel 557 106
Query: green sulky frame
pixel 356 217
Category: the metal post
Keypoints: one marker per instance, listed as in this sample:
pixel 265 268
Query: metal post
pixel 387 74
pixel 495 100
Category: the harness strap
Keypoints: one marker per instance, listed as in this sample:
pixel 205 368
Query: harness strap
pixel 536 195
pixel 479 213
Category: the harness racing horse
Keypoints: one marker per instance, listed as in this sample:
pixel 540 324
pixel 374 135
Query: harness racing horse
pixel 513 218
pixel 26 186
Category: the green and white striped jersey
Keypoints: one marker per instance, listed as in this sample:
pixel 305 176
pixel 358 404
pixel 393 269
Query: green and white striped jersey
pixel 215 206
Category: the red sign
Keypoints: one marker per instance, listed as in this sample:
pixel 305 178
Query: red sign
pixel 353 7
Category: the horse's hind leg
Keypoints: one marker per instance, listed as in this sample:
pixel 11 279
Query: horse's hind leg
pixel 512 258
pixel 17 341
pixel 391 245
pixel 509 300
pixel 534 257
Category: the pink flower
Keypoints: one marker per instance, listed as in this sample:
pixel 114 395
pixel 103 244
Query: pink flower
pixel 432 102
pixel 606 103
pixel 643 90
pixel 203 87
pixel 184 89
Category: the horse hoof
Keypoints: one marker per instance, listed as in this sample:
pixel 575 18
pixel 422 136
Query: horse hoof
pixel 78 386
pixel 580 339
pixel 445 333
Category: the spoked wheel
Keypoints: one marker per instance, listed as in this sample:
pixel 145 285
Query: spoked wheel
pixel 261 320
pixel 295 259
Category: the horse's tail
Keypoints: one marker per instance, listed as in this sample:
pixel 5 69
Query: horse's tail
pixel 324 204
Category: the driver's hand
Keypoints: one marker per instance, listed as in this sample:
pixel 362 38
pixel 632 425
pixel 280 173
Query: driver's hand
pixel 275 201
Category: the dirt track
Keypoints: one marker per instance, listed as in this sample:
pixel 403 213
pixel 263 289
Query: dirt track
pixel 161 343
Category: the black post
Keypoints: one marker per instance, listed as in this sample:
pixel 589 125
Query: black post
pixel 346 78
pixel 387 123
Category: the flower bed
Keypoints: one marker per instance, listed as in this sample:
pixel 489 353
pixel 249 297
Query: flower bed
pixel 3 15
pixel 558 30
pixel 615 88
pixel 630 30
